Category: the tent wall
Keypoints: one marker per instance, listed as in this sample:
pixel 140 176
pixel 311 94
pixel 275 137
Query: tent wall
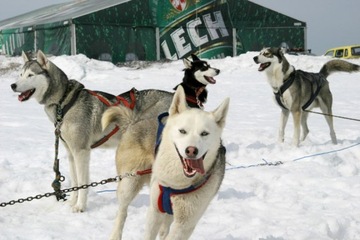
pixel 54 39
pixel 153 29
pixel 16 40
pixel 258 27
pixel 120 33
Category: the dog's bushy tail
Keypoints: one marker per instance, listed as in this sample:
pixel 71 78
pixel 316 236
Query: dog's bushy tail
pixel 119 115
pixel 338 66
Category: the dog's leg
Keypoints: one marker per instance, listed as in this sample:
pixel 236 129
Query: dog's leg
pixel 82 158
pixel 283 120
pixel 326 108
pixel 153 221
pixel 180 231
pixel 297 118
pixel 73 179
pixel 127 189
pixel 165 226
pixel 305 128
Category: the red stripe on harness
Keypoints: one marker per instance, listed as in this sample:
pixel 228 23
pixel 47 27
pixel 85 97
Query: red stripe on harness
pixel 144 172
pixel 105 138
pixel 118 98
pixel 109 104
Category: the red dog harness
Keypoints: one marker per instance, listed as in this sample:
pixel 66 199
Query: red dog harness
pixel 119 100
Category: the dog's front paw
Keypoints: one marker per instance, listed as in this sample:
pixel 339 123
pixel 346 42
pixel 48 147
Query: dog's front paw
pixel 78 209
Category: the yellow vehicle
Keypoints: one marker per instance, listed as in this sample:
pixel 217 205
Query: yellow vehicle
pixel 352 51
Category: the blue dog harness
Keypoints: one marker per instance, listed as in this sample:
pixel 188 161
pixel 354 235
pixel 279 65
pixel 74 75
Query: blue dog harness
pixel 160 129
pixel 164 200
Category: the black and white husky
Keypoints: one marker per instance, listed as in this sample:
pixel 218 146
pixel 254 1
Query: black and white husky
pixel 137 145
pixel 296 91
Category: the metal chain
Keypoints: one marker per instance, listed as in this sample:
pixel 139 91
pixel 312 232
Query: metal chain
pixel 56 184
pixel 68 190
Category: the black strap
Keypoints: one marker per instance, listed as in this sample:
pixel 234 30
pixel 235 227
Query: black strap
pixel 319 83
pixel 67 107
pixel 288 82
pixel 318 79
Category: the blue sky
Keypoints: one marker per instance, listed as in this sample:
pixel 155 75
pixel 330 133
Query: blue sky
pixel 330 23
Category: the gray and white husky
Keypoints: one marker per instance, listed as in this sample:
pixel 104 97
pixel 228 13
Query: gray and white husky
pixel 81 111
pixel 188 169
pixel 297 91
pixel 136 149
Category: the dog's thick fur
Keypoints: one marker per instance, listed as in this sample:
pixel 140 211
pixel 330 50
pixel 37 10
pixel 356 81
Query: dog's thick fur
pixel 198 74
pixel 278 70
pixel 190 151
pixel 81 124
pixel 137 144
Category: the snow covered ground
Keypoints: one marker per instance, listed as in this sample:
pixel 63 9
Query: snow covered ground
pixel 315 194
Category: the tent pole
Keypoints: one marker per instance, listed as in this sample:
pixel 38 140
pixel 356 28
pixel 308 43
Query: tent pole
pixel 35 41
pixel 157 39
pixel 73 38
pixel 234 42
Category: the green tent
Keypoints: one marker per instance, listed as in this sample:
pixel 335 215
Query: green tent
pixel 125 30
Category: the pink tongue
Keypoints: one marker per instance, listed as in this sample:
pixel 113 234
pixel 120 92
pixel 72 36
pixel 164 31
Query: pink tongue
pixel 196 164
pixel 24 95
pixel 210 80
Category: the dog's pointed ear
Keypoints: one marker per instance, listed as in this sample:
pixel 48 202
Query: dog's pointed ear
pixel 42 60
pixel 221 111
pixel 194 57
pixel 25 56
pixel 187 63
pixel 178 104
pixel 280 54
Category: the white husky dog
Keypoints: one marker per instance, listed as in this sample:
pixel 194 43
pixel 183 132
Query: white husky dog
pixel 188 169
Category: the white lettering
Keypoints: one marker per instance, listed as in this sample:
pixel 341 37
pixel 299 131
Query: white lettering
pixel 179 42
pixel 193 33
pixel 213 26
pixel 166 51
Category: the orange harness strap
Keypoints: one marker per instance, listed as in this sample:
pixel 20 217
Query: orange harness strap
pixel 120 100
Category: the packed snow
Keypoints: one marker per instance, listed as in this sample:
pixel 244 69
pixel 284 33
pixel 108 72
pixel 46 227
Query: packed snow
pixel 313 194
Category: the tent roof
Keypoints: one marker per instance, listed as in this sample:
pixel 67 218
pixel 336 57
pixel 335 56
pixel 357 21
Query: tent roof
pixel 58 12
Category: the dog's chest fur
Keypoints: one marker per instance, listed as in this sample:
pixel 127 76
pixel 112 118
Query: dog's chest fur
pixel 276 77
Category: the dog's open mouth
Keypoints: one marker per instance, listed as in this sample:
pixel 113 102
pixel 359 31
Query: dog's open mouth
pixel 192 166
pixel 26 95
pixel 263 66
pixel 211 80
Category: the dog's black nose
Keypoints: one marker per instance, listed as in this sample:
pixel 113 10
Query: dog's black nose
pixel 13 86
pixel 255 59
pixel 191 151
pixel 217 71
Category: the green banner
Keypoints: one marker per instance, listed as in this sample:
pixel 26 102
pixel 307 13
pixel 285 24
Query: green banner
pixel 202 27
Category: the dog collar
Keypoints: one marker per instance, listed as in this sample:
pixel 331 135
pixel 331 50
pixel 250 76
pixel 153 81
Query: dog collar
pixel 164 200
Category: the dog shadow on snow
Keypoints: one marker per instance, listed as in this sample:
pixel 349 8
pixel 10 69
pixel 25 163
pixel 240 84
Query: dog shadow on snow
pixel 233 193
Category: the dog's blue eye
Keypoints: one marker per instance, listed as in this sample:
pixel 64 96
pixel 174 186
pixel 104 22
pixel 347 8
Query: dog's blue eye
pixel 203 134
pixel 182 131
